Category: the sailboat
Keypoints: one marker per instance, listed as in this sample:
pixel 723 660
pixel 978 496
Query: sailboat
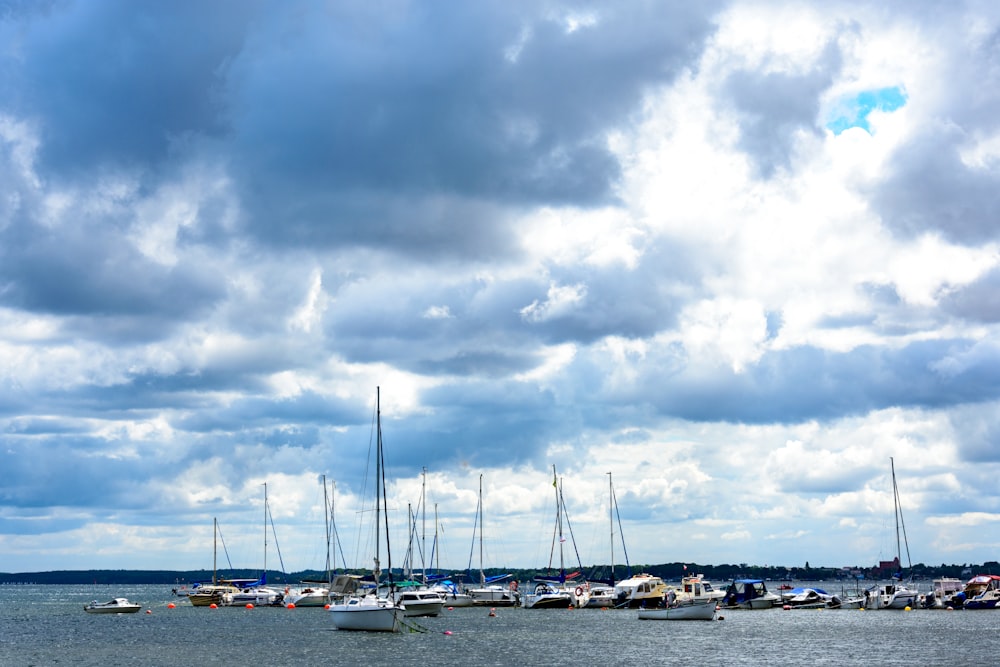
pixel 557 592
pixel 895 595
pixel 602 593
pixel 490 593
pixel 256 591
pixel 217 593
pixel 311 593
pixel 373 613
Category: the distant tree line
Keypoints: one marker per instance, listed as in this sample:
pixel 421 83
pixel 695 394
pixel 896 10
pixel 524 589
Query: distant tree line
pixel 666 571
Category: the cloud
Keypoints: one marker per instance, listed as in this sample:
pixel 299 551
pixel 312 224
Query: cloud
pixel 737 254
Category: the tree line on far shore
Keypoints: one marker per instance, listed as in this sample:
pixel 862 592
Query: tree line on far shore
pixel 667 571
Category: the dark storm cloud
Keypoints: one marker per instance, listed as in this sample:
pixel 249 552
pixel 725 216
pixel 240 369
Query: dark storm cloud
pixel 116 82
pixel 499 103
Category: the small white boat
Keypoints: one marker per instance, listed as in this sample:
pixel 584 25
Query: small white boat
pixel 548 596
pixel 891 596
pixel 115 606
pixel 687 610
pixel 307 596
pixel 694 587
pixel 423 602
pixel 601 596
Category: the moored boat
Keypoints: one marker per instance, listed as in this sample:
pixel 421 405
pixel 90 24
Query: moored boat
pixel 685 610
pixel 640 590
pixel 114 606
pixel 749 594
pixel 372 613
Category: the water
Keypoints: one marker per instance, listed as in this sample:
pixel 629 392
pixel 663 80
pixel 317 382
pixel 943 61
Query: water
pixel 46 625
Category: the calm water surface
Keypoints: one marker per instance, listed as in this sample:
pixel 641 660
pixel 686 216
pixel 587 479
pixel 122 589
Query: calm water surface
pixel 46 625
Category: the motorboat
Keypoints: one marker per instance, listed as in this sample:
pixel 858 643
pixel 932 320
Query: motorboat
pixel 942 592
pixel 694 587
pixel 548 596
pixel 601 596
pixel 114 606
pixel 749 594
pixel 420 602
pixel 895 595
pixel 974 587
pixel 684 610
pixel 309 595
pixel 219 594
pixel 258 596
pixel 640 590
pixel 806 598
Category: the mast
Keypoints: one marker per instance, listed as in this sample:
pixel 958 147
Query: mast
pixel 559 527
pixel 380 479
pixel 215 539
pixel 265 530
pixel 611 519
pixel 326 521
pixel 437 552
pixel 423 524
pixel 378 485
pixel 899 523
pixel 482 577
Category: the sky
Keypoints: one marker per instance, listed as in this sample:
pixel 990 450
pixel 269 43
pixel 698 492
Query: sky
pixel 737 260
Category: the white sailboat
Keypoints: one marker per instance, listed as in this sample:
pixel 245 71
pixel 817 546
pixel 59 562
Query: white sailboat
pixel 372 613
pixel 257 592
pixel 315 593
pixel 895 595
pixel 489 592
pixel 602 595
pixel 557 592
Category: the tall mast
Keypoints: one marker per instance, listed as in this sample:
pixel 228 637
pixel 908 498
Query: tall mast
pixel 611 519
pixel 265 528
pixel 378 483
pixel 482 577
pixel 423 525
pixel 215 548
pixel 899 523
pixel 326 521
pixel 562 566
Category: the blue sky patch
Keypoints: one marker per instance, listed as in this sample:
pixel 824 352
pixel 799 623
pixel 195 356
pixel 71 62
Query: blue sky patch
pixel 853 111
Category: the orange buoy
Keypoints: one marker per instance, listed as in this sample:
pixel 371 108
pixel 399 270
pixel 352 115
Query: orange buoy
pixel 249 605
pixel 171 605
pixel 326 606
pixel 290 605
pixel 213 606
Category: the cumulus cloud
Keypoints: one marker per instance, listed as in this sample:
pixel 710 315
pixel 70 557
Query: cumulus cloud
pixel 736 253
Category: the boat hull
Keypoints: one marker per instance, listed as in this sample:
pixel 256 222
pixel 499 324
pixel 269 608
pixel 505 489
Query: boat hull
pixel 688 611
pixel 121 606
pixel 366 616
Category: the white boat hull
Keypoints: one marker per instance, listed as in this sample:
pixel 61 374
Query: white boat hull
pixel 367 615
pixel 116 606
pixel 701 610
